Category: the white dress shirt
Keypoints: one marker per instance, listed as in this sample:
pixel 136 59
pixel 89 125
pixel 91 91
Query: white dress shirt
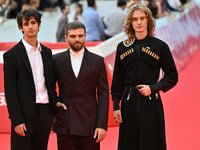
pixel 76 60
pixel 36 63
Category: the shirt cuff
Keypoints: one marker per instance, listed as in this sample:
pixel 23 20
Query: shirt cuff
pixel 116 104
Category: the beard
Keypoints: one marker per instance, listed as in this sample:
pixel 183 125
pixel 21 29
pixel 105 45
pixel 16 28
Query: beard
pixel 76 46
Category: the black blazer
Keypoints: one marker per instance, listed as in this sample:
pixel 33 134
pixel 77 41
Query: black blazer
pixel 19 85
pixel 86 97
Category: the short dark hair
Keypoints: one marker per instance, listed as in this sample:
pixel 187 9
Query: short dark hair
pixel 27 14
pixel 62 7
pixel 74 25
pixel 121 3
pixel 91 3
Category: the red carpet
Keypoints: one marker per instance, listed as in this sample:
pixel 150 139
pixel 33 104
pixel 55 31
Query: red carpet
pixel 182 110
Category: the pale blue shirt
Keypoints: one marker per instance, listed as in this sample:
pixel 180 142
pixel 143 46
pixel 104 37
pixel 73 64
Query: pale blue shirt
pixel 93 23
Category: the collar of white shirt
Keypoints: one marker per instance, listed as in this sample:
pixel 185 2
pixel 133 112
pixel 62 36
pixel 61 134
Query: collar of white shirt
pixel 79 53
pixel 28 47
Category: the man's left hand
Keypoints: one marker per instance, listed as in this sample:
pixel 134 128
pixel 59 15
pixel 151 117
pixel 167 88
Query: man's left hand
pixel 59 104
pixel 101 133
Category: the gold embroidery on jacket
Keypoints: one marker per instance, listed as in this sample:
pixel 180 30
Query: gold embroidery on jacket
pixel 149 52
pixel 127 42
pixel 126 53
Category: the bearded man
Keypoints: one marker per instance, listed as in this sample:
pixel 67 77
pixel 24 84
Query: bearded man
pixel 83 88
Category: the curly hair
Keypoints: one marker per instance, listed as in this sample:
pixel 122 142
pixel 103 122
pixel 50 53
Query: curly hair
pixel 128 28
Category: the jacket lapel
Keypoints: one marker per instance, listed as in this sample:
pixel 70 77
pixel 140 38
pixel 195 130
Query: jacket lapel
pixel 45 60
pixel 23 55
pixel 67 67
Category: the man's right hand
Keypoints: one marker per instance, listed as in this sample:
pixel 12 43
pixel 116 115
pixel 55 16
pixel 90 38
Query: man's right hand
pixel 20 129
pixel 118 116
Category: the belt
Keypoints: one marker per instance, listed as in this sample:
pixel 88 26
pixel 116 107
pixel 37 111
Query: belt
pixel 137 88
pixel 130 89
pixel 133 87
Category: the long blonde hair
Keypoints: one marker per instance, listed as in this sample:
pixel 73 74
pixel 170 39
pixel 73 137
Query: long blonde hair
pixel 128 28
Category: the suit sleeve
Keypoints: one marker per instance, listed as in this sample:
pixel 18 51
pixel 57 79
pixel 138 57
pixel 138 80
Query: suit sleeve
pixel 52 93
pixel 103 97
pixel 170 78
pixel 10 86
pixel 117 87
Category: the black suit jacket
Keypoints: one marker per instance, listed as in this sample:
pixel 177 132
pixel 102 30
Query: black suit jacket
pixel 86 97
pixel 19 85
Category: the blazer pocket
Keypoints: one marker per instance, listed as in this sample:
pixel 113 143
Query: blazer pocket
pixel 59 109
pixel 61 122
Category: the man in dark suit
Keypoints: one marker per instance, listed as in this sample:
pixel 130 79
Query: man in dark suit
pixel 83 88
pixel 29 87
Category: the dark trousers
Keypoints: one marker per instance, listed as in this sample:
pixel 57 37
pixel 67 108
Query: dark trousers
pixel 38 130
pixel 70 142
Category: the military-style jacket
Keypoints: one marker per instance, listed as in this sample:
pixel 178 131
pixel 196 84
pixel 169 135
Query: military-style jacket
pixel 143 66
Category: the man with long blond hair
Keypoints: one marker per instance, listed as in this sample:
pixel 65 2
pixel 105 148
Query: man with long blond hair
pixel 136 82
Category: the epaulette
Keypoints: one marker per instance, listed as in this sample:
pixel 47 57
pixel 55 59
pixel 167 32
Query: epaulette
pixel 128 42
